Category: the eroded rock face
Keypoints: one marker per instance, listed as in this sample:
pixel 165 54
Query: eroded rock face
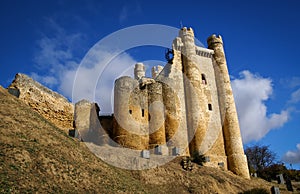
pixel 51 105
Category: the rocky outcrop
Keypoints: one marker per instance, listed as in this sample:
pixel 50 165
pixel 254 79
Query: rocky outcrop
pixel 51 105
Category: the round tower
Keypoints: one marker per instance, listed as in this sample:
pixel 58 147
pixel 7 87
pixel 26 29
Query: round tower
pixel 156 70
pixel 139 71
pixel 129 129
pixel 237 161
pixel 195 99
pixel 156 117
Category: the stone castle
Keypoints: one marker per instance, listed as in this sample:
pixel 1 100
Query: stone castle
pixel 186 108
pixel 188 104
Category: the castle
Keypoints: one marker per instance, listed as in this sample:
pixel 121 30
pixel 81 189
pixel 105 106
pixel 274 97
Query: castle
pixel 188 105
pixel 186 108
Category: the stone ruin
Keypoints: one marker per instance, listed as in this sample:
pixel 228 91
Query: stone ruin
pixel 186 108
pixel 51 105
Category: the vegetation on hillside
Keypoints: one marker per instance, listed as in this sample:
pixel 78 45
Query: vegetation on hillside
pixel 262 161
pixel 37 157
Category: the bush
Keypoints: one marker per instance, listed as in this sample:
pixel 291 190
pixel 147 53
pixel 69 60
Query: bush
pixel 198 158
pixel 272 171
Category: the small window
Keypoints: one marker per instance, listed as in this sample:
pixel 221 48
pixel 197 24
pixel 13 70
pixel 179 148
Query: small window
pixel 203 79
pixel 143 113
pixel 209 107
pixel 130 111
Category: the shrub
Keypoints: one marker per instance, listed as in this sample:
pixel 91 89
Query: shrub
pixel 198 158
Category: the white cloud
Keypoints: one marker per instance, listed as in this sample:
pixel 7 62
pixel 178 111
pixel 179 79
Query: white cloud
pixel 291 82
pixel 292 157
pixel 295 97
pixel 58 65
pixel 250 92
pixel 48 80
pixel 94 81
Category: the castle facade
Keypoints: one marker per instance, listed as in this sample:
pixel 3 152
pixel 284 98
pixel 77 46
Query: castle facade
pixel 186 106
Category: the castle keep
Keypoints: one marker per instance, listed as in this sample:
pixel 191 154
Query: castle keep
pixel 186 108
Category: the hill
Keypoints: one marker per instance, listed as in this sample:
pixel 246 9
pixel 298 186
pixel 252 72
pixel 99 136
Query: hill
pixel 36 156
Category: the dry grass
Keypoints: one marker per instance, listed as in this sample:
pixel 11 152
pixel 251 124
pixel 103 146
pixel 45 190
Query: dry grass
pixel 35 156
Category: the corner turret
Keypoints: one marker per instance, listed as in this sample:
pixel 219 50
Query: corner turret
pixel 139 71
pixel 237 161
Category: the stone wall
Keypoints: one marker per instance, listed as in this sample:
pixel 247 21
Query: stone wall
pixel 86 119
pixel 51 105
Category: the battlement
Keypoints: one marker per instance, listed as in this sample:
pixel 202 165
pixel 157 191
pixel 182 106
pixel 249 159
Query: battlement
pixel 156 70
pixel 214 39
pixel 186 31
pixel 204 52
pixel 139 71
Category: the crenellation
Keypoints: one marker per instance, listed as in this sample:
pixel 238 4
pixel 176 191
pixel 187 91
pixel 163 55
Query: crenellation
pixel 156 70
pixel 204 52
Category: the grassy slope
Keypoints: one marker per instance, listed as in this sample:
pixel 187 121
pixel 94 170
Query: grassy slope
pixel 37 156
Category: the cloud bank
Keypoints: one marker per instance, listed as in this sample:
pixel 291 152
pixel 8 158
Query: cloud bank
pixel 250 93
pixel 292 157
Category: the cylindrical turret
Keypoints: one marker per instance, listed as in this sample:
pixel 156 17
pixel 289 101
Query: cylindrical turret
pixel 156 70
pixel 130 121
pixel 139 71
pixel 157 134
pixel 237 161
pixel 196 101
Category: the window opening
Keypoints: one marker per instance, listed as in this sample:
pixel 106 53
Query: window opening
pixel 209 107
pixel 203 79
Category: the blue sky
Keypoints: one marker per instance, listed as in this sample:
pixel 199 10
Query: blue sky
pixel 48 39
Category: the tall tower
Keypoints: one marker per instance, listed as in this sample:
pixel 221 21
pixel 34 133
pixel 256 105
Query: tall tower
pixel 237 161
pixel 194 94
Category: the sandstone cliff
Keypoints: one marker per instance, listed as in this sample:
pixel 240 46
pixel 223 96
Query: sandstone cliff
pixel 51 105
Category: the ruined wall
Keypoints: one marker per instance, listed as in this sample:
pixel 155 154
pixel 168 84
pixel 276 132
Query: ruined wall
pixel 106 122
pixel 87 123
pixel 237 161
pixel 51 105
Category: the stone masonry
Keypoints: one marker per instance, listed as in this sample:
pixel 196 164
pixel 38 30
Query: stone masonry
pixel 188 106
pixel 51 105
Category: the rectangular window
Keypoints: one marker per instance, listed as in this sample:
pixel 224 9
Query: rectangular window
pixel 203 79
pixel 130 111
pixel 143 113
pixel 209 107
